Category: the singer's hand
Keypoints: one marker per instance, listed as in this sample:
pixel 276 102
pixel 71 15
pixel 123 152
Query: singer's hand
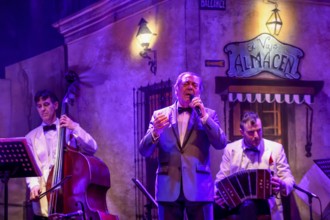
pixel 197 102
pixel 160 123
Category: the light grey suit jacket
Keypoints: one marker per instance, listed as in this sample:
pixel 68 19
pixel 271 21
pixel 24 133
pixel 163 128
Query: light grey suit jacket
pixel 272 157
pixel 189 162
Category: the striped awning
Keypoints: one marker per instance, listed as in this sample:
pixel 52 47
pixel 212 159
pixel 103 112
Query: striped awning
pixel 270 98
pixel 267 90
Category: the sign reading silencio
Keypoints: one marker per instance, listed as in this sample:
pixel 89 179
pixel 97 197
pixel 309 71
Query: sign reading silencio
pixel 263 53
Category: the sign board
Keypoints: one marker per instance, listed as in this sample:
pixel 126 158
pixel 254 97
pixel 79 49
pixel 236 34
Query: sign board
pixel 212 4
pixel 263 54
pixel 215 63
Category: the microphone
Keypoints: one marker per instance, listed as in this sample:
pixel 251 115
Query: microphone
pixel 197 108
pixel 304 191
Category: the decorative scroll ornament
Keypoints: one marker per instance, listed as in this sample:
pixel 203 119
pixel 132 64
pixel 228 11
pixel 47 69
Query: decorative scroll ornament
pixel 263 54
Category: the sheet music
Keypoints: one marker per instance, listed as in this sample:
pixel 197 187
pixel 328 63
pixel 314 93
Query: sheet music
pixel 324 165
pixel 16 158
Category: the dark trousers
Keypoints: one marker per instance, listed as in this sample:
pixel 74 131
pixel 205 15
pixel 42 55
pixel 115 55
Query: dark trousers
pixel 177 210
pixel 182 209
pixel 36 217
pixel 250 209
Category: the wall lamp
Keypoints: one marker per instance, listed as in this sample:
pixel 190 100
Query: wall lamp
pixel 144 36
pixel 274 23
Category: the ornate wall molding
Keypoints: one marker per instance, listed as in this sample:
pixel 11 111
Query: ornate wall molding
pixel 99 15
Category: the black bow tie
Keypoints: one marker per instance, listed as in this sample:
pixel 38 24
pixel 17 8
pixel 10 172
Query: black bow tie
pixel 253 149
pixel 181 110
pixel 49 127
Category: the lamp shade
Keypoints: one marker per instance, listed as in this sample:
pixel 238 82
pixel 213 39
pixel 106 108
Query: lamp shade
pixel 144 34
pixel 274 23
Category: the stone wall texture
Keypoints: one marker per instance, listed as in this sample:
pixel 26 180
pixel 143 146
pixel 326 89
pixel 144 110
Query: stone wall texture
pixel 101 47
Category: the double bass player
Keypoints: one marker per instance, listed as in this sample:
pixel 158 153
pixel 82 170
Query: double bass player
pixel 44 141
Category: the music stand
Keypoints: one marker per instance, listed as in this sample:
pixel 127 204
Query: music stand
pixel 16 160
pixel 151 200
pixel 324 165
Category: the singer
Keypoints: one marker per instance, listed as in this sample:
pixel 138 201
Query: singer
pixel 182 133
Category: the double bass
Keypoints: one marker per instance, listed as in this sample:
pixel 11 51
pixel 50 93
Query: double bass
pixel 78 183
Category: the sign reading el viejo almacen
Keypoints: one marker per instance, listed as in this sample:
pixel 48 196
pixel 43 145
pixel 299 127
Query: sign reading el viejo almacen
pixel 263 53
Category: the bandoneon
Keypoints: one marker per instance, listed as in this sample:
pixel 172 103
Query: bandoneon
pixel 246 184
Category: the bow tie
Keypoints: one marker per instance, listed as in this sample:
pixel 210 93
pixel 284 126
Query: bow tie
pixel 49 127
pixel 251 149
pixel 181 110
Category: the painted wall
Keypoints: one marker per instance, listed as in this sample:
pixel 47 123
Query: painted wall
pixel 109 67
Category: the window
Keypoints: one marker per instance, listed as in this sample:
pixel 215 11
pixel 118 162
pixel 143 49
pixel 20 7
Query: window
pixel 271 116
pixel 146 100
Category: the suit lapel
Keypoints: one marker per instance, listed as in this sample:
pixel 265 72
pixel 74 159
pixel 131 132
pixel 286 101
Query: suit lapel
pixel 40 145
pixel 174 124
pixel 237 155
pixel 40 137
pixel 266 152
pixel 190 127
